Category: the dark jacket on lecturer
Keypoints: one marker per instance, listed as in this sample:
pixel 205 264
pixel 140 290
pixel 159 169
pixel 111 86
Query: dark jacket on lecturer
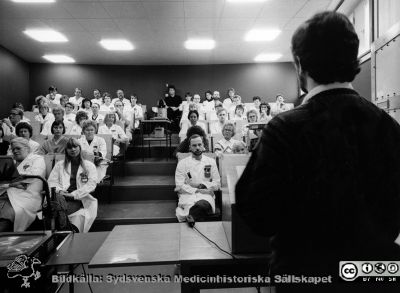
pixel 324 183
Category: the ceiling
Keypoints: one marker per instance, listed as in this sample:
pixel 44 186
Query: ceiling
pixel 157 29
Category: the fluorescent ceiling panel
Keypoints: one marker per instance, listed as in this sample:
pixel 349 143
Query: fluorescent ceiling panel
pixel 262 35
pixel 33 1
pixel 267 57
pixel 116 45
pixel 46 36
pixel 58 58
pixel 200 44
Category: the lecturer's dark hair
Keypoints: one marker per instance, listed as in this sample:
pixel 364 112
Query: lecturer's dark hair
pixel 326 47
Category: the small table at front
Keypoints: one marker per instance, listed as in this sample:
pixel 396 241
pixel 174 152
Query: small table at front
pixel 167 136
pixel 176 243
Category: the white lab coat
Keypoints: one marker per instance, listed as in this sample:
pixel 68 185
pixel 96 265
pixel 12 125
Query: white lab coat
pixel 125 101
pixel 108 109
pixel 46 130
pixel 49 118
pixel 216 127
pixel 26 203
pixel 60 179
pixel 187 194
pixel 116 132
pixel 227 103
pixel 99 143
pixel 224 146
pixel 208 105
pixel 56 99
pixel 75 130
pixel 77 102
pixel 98 119
pixel 97 101
pixel 70 117
pixel 137 112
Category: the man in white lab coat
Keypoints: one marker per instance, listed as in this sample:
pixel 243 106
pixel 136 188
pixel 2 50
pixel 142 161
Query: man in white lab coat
pixel 196 179
pixel 20 201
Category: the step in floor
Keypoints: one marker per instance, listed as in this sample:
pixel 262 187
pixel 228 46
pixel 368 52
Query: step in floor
pixel 145 180
pixel 137 212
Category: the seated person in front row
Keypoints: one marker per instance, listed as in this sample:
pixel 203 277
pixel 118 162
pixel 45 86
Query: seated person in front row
pixel 196 179
pixel 57 143
pixel 116 131
pixel 93 144
pixel 225 145
pixel 75 178
pixel 19 202
pixel 184 146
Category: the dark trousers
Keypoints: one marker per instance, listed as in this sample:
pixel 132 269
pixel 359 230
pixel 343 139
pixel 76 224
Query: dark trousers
pixel 200 210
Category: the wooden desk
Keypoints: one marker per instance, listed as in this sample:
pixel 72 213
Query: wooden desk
pixel 79 248
pixel 148 244
pixel 200 257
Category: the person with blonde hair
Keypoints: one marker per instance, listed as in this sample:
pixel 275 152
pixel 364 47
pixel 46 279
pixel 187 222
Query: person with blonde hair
pixel 20 201
pixel 225 145
pixel 75 178
pixel 96 145
pixel 109 127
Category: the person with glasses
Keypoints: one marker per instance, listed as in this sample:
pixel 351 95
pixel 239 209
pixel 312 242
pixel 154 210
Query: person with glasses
pixel 95 116
pixel 9 124
pixel 69 112
pixel 121 98
pixel 225 145
pixel 96 145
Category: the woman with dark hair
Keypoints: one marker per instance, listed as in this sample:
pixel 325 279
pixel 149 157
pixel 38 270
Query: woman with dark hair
pixel 53 96
pixel 239 113
pixel 208 103
pixel 86 106
pixel 183 147
pixel 4 145
pixel 56 144
pixel 193 120
pixel 265 112
pixel 75 178
pixel 80 117
pixel 230 93
pixel 24 130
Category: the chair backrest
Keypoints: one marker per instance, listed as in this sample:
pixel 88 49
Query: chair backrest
pixel 36 127
pixel 49 161
pixel 30 115
pixel 109 144
pixel 39 138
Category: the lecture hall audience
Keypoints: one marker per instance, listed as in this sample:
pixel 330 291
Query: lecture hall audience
pixel 75 178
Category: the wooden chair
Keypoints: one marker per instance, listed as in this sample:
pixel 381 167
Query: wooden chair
pixel 39 138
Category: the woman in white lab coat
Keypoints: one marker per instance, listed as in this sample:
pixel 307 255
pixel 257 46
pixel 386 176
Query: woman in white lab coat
pixel 93 144
pixel 76 128
pixel 116 131
pixel 75 178
pixel 226 144
pixel 22 200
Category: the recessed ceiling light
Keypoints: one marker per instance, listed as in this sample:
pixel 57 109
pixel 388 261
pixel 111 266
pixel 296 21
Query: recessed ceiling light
pixel 259 35
pixel 33 1
pixel 116 45
pixel 267 57
pixel 46 35
pixel 200 44
pixel 57 58
pixel 245 1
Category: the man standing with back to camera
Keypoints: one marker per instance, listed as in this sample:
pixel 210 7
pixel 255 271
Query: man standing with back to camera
pixel 324 181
